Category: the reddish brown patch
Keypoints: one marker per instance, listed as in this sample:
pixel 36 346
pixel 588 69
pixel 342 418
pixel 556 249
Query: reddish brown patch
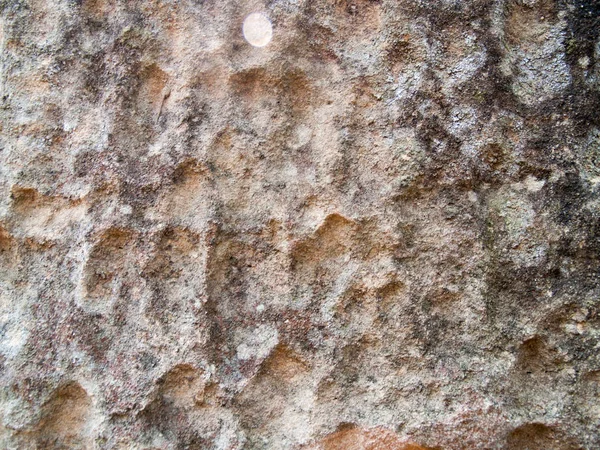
pixel 350 437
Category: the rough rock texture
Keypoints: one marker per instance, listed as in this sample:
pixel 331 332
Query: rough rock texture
pixel 380 231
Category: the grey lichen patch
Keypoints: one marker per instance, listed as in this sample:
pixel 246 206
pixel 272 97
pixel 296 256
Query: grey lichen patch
pixel 591 157
pixel 514 228
pixel 535 35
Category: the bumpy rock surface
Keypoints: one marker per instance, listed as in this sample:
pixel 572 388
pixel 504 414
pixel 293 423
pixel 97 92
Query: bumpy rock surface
pixel 380 231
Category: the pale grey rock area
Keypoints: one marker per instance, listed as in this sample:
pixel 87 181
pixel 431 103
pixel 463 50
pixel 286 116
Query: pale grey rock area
pixel 381 230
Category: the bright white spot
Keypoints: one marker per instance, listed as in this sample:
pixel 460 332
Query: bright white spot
pixel 584 62
pixel 257 29
pixel 533 184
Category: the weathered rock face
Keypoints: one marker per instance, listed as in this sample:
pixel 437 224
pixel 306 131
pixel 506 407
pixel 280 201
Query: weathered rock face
pixel 379 231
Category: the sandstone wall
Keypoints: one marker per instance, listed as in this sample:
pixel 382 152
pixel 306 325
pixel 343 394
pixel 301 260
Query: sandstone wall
pixel 379 231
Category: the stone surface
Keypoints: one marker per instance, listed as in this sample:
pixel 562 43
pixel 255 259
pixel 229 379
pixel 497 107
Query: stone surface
pixel 379 231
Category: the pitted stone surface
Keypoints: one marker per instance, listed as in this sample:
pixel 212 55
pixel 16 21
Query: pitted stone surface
pixel 379 231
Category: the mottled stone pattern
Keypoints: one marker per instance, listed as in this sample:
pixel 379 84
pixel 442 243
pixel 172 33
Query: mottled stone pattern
pixel 379 231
